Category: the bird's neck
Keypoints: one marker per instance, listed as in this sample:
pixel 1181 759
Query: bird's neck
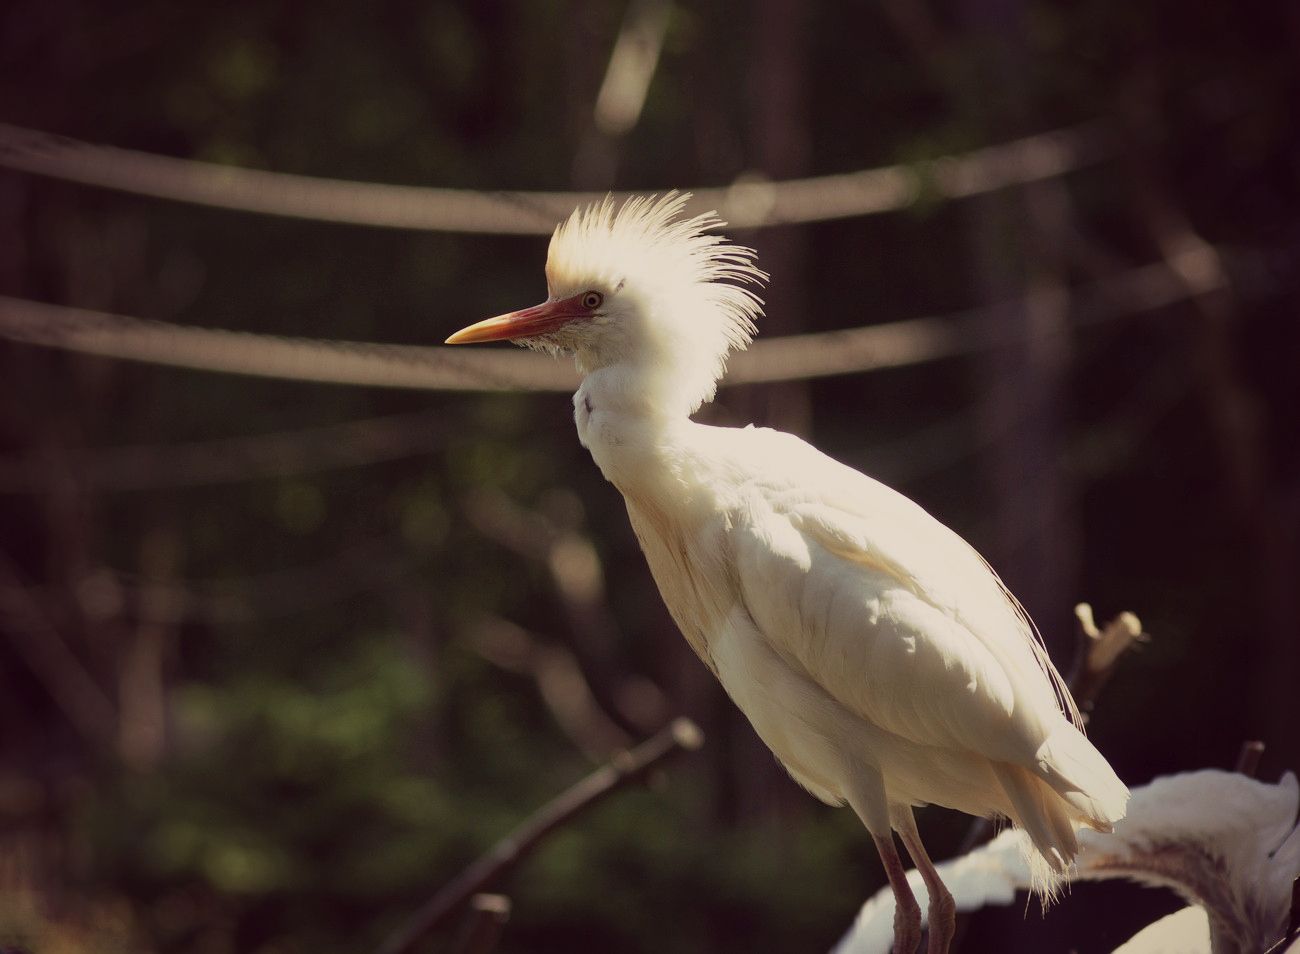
pixel 672 473
pixel 638 431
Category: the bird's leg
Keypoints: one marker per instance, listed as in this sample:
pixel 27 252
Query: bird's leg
pixel 864 788
pixel 942 911
pixel 907 913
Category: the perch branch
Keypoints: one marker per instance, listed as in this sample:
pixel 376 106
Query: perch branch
pixel 682 735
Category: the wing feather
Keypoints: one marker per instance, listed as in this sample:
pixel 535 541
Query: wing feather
pixel 891 611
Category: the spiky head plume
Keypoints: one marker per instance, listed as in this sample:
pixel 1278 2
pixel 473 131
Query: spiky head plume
pixel 676 295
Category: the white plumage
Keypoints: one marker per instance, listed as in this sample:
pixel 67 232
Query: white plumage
pixel 871 648
pixel 1228 845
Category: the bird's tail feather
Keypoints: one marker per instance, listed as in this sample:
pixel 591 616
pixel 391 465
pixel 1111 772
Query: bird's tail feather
pixel 1069 785
pixel 1076 771
pixel 1048 821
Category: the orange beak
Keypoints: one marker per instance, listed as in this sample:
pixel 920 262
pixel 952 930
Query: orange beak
pixel 538 320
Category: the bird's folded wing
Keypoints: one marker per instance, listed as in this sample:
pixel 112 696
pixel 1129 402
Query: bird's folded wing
pixel 897 619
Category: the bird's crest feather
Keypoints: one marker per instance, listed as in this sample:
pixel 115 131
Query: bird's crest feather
pixel 703 280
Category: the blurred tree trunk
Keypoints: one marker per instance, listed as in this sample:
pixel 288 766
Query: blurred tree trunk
pixel 1016 240
pixel 748 784
pixel 629 74
pixel 756 787
pixel 782 144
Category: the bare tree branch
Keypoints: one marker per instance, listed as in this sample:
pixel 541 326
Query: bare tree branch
pixel 35 638
pixel 1099 653
pixel 682 735
pixel 556 541
pixel 560 681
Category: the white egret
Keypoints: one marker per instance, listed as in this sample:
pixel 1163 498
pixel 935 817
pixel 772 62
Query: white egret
pixel 1228 845
pixel 872 649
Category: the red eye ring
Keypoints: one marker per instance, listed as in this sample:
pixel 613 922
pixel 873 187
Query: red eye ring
pixel 592 300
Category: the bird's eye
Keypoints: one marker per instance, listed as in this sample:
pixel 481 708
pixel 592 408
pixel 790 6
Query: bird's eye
pixel 592 299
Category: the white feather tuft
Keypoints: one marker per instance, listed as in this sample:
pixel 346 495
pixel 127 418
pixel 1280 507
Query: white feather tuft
pixel 696 287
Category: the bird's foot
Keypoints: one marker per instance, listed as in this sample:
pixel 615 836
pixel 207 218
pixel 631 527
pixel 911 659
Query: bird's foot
pixel 942 923
pixel 907 927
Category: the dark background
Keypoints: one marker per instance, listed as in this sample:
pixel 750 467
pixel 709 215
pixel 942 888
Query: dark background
pixel 253 700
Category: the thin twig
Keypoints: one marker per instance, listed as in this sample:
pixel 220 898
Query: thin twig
pixel 488 914
pixel 1248 758
pixel 42 647
pixel 1099 653
pixel 561 683
pixel 682 735
pixel 557 542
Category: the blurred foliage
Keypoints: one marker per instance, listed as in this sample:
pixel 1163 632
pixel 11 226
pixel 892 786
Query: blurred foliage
pixel 334 742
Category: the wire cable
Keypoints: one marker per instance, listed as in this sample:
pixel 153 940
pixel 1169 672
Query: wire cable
pixel 285 358
pixel 792 357
pixel 748 203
